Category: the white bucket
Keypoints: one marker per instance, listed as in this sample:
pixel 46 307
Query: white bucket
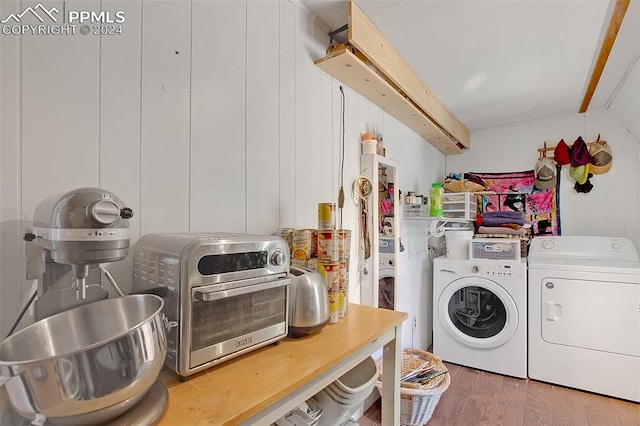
pixel 458 244
pixel 369 146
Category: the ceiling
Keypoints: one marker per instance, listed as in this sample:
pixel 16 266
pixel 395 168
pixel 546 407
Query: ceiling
pixel 499 62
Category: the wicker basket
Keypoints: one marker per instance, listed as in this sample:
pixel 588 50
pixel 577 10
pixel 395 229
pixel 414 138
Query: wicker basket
pixel 418 400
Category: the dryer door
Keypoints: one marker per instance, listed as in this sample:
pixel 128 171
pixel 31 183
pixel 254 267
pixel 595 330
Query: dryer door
pixel 592 314
pixel 478 312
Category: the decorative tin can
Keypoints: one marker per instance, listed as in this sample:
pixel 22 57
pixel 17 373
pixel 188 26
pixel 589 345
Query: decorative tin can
pixel 326 216
pixel 334 315
pixel 343 300
pixel 300 263
pixel 287 235
pixel 330 271
pixel 328 246
pixel 302 246
pixel 314 242
pixel 344 243
pixel 312 263
pixel 343 287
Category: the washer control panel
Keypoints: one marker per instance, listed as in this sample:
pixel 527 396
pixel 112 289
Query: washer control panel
pixel 387 261
pixel 496 269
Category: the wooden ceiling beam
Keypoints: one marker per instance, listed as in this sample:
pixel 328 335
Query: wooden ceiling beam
pixel 371 43
pixel 607 44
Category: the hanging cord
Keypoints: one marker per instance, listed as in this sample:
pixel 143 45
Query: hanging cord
pixel 24 311
pixel 341 192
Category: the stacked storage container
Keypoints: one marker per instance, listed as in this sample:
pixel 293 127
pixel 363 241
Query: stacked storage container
pixel 342 398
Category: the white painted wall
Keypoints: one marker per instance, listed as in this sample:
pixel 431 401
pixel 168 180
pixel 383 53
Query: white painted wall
pixel 421 165
pixel 610 209
pixel 626 104
pixel 202 116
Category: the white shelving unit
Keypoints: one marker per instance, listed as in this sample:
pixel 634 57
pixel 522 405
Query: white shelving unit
pixel 460 205
pixel 378 169
pixel 410 211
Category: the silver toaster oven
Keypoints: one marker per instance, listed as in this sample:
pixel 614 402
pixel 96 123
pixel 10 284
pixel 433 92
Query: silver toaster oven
pixel 224 294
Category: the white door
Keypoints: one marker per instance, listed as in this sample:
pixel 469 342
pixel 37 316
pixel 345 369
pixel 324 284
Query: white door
pixel 598 315
pixel 478 312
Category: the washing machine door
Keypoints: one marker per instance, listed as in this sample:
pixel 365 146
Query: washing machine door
pixel 478 312
pixel 386 289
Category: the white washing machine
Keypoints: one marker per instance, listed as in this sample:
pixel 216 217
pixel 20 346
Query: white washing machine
pixel 387 281
pixel 480 314
pixel 584 314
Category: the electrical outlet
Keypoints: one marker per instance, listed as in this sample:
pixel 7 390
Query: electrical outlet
pixel 414 330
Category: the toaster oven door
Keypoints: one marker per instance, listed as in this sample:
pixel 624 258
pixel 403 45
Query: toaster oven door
pixel 228 323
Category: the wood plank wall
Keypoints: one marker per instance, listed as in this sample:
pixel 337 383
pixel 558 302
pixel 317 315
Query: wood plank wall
pixel 202 116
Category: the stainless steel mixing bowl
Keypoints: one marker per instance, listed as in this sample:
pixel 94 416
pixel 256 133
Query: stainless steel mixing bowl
pixel 86 365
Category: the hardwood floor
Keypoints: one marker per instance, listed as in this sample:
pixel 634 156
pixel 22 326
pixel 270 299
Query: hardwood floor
pixel 480 398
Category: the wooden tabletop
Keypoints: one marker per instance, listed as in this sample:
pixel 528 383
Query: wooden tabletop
pixel 240 388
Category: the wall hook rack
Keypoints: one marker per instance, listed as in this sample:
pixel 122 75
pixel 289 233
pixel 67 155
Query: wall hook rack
pixel 542 152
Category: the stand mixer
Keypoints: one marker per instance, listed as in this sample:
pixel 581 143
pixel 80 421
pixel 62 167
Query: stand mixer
pixel 77 230
pixel 102 355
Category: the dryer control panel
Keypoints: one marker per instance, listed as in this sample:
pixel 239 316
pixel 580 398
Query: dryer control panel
pixel 583 247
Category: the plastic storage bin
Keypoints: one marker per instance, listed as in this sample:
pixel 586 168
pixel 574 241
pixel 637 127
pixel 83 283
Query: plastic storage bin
pixel 457 242
pixel 305 414
pixel 460 205
pixel 342 397
pixel 416 210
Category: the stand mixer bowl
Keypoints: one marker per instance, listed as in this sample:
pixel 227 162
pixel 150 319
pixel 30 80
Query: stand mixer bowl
pixel 86 365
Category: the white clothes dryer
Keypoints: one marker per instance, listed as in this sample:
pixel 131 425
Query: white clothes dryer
pixel 480 314
pixel 584 314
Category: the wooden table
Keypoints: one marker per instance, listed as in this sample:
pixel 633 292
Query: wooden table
pixel 263 385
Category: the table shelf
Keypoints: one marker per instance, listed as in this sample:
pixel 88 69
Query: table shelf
pixel 261 386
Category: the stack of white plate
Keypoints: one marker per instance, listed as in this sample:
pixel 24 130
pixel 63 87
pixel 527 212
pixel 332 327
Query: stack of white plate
pixel 306 414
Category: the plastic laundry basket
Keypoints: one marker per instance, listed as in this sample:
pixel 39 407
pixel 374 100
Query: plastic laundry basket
pixel 418 398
